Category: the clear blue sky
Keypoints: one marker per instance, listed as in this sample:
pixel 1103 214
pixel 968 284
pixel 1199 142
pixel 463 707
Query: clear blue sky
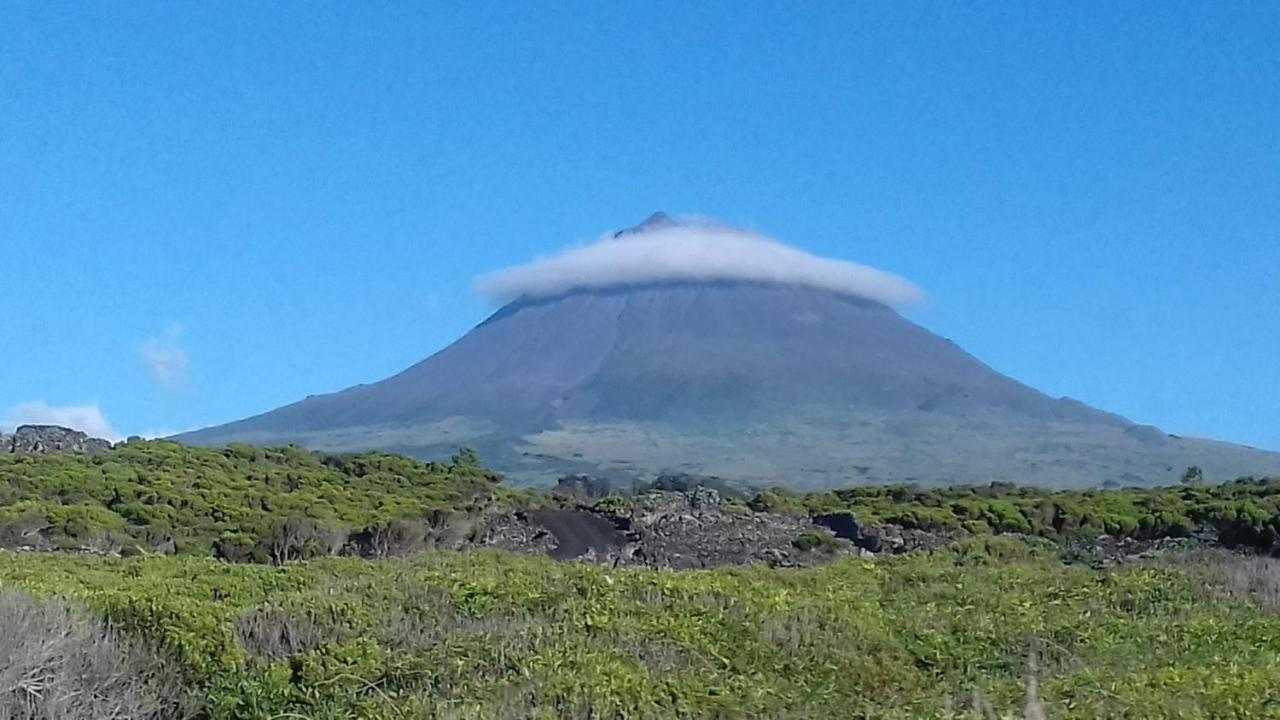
pixel 211 209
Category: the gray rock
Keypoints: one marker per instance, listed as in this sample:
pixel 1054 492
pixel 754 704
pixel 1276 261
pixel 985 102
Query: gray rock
pixel 53 439
pixel 6 443
pixel 704 498
pixel 896 539
pixel 845 525
pixel 581 485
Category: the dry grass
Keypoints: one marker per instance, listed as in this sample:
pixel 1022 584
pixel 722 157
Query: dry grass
pixel 58 662
pixel 1246 577
pixel 275 634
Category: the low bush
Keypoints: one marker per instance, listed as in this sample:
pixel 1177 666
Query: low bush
pixel 815 541
pixel 276 505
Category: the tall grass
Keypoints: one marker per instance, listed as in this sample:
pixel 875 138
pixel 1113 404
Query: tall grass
pixel 1254 578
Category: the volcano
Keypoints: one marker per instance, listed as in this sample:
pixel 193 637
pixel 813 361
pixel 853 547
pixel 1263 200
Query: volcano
pixel 670 347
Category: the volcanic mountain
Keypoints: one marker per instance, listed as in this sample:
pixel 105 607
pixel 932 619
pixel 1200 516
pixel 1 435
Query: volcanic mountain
pixel 693 348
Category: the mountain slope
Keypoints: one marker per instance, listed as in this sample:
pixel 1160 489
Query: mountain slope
pixel 757 381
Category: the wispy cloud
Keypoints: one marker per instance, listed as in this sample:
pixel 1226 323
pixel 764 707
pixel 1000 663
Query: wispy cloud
pixel 164 357
pixel 160 433
pixel 691 252
pixel 86 418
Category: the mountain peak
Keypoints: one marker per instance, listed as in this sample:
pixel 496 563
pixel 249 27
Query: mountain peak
pixel 657 221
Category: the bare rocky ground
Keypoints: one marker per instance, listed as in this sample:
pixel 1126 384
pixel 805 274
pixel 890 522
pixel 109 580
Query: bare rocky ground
pixel 696 529
pixel 692 530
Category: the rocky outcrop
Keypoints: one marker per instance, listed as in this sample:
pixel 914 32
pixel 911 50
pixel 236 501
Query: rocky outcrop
pixel 694 529
pixel 50 440
pixel 1106 551
pixel 885 538
pixel 680 530
pixel 895 539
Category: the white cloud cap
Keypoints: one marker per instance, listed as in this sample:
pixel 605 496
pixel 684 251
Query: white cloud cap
pixel 85 418
pixel 664 251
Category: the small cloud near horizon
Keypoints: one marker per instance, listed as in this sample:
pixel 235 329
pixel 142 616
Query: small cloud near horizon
pixel 692 250
pixel 89 419
pixel 161 433
pixel 164 357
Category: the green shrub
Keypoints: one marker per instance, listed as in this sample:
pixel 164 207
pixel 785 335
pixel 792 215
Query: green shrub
pixel 820 541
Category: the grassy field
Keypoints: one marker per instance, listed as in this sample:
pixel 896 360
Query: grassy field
pixel 493 635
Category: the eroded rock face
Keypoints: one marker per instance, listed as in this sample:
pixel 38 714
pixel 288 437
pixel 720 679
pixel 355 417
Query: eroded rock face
pixel 50 440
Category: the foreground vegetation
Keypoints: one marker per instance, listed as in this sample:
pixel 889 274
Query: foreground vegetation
pixel 487 634
pixel 156 623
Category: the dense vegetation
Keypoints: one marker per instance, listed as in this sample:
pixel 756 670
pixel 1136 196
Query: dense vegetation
pixel 487 634
pixel 244 503
pixel 1241 513
pixel 296 634
pixel 238 503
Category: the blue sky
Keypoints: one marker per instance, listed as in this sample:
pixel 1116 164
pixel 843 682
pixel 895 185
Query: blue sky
pixel 211 209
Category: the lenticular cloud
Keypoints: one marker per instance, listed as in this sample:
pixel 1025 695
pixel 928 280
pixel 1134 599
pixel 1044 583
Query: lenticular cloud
pixel 683 253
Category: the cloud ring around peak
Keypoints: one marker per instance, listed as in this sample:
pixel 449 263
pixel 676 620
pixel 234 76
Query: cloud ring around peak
pixel 692 254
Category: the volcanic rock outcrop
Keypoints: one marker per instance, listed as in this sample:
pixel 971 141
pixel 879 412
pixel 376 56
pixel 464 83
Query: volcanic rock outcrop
pixel 50 440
